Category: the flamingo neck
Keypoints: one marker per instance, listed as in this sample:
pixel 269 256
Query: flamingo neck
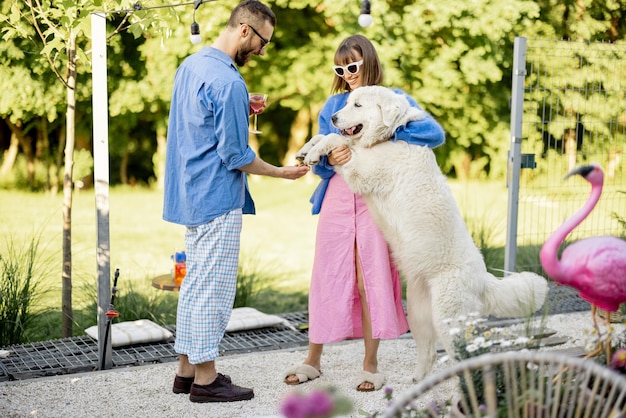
pixel 549 252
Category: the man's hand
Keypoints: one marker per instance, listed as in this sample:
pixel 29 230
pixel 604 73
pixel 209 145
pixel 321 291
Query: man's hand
pixel 294 172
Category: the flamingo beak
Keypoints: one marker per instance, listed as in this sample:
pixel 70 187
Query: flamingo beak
pixel 582 170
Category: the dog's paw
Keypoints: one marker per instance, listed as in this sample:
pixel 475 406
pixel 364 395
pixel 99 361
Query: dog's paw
pixel 312 158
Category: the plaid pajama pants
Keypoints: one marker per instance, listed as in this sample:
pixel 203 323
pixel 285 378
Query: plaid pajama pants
pixel 207 293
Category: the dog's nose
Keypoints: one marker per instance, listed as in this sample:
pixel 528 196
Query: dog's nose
pixel 333 118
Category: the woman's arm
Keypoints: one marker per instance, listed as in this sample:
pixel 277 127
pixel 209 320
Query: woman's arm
pixel 426 131
pixel 323 168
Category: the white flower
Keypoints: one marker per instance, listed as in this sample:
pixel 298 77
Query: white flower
pixel 471 348
pixel 479 340
pixel 455 331
pixel 521 340
pixel 590 347
pixel 486 344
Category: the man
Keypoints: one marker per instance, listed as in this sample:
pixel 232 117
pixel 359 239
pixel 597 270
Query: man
pixel 206 190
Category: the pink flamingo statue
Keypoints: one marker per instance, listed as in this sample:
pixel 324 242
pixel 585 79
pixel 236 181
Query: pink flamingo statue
pixel 595 266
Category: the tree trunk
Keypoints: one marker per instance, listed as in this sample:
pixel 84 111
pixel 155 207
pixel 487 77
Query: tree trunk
pixel 569 139
pixel 124 165
pixel 27 148
pixel 66 300
pixel 158 159
pixel 299 135
pixel 10 156
pixel 42 148
pixel 58 161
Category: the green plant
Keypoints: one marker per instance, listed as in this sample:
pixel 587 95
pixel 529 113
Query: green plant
pixel 597 340
pixel 250 281
pixel 20 291
pixel 254 283
pixel 472 338
pixel 620 219
pixel 431 410
pixel 484 231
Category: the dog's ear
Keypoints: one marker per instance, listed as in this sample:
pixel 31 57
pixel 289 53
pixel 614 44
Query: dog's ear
pixel 392 109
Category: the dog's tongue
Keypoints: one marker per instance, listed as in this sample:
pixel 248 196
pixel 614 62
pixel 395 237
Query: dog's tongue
pixel 350 131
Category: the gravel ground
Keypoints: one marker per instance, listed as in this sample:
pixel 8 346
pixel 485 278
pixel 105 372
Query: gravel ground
pixel 146 391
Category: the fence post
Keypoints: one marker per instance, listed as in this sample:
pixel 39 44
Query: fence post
pixel 101 178
pixel 515 153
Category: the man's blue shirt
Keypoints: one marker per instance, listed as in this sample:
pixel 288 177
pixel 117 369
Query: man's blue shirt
pixel 207 141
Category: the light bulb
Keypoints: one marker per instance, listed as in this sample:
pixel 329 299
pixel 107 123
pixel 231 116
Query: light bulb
pixel 195 33
pixel 365 21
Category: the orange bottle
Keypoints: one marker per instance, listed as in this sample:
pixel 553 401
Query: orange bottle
pixel 180 267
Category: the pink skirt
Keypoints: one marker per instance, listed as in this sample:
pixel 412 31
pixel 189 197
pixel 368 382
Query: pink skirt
pixel 334 302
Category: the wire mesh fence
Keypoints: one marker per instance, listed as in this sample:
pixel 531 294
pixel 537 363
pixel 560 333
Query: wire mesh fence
pixel 574 113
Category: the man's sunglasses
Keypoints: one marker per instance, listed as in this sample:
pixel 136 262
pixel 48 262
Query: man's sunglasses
pixel 352 68
pixel 263 40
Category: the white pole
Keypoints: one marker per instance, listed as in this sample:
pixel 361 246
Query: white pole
pixel 101 178
pixel 515 153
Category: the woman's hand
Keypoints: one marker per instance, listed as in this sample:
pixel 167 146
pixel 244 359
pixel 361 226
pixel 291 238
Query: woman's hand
pixel 339 155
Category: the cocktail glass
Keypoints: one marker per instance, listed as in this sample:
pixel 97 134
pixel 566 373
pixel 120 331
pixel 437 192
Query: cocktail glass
pixel 257 104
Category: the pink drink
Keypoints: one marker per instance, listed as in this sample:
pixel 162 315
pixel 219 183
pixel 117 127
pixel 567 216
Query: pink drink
pixel 257 103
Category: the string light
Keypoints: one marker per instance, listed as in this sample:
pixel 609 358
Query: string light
pixel 365 19
pixel 195 28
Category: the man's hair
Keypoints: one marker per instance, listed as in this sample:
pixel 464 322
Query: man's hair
pixel 252 12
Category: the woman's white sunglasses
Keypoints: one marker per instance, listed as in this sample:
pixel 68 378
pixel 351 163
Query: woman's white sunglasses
pixel 351 68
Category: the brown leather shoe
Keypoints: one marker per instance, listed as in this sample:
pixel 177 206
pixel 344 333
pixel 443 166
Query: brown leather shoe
pixel 182 384
pixel 221 390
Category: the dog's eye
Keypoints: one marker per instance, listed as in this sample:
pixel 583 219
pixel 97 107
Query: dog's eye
pixel 357 104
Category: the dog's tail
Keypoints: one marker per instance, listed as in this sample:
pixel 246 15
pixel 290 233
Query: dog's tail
pixel 517 295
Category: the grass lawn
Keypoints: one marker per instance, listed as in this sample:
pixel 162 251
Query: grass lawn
pixel 279 238
pixel 277 244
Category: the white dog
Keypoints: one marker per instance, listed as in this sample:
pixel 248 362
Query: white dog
pixel 412 204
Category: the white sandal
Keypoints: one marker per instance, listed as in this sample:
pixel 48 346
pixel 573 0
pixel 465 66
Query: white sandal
pixel 303 372
pixel 376 379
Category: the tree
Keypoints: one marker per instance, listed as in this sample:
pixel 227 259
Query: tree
pixel 59 32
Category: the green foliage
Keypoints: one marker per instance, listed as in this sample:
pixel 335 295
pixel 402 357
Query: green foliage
pixel 472 339
pixel 484 231
pixel 454 57
pixel 620 220
pixel 250 281
pixel 135 301
pixel 20 291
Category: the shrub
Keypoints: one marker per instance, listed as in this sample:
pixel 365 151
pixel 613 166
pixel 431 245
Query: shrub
pixel 19 291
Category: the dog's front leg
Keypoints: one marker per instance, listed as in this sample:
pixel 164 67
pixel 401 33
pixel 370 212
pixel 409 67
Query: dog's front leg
pixel 324 144
pixel 301 154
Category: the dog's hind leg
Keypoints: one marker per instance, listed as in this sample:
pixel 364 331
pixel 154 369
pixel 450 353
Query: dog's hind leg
pixel 419 315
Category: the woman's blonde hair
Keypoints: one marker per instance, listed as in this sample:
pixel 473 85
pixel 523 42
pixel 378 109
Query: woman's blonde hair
pixel 349 51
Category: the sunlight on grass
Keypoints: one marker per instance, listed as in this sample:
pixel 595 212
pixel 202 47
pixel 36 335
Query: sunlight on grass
pixel 281 235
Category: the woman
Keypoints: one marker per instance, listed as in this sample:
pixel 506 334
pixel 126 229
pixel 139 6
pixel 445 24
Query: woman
pixel 355 289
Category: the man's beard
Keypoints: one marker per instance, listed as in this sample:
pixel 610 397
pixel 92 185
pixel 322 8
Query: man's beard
pixel 242 56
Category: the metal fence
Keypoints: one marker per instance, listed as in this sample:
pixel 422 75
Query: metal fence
pixel 568 108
